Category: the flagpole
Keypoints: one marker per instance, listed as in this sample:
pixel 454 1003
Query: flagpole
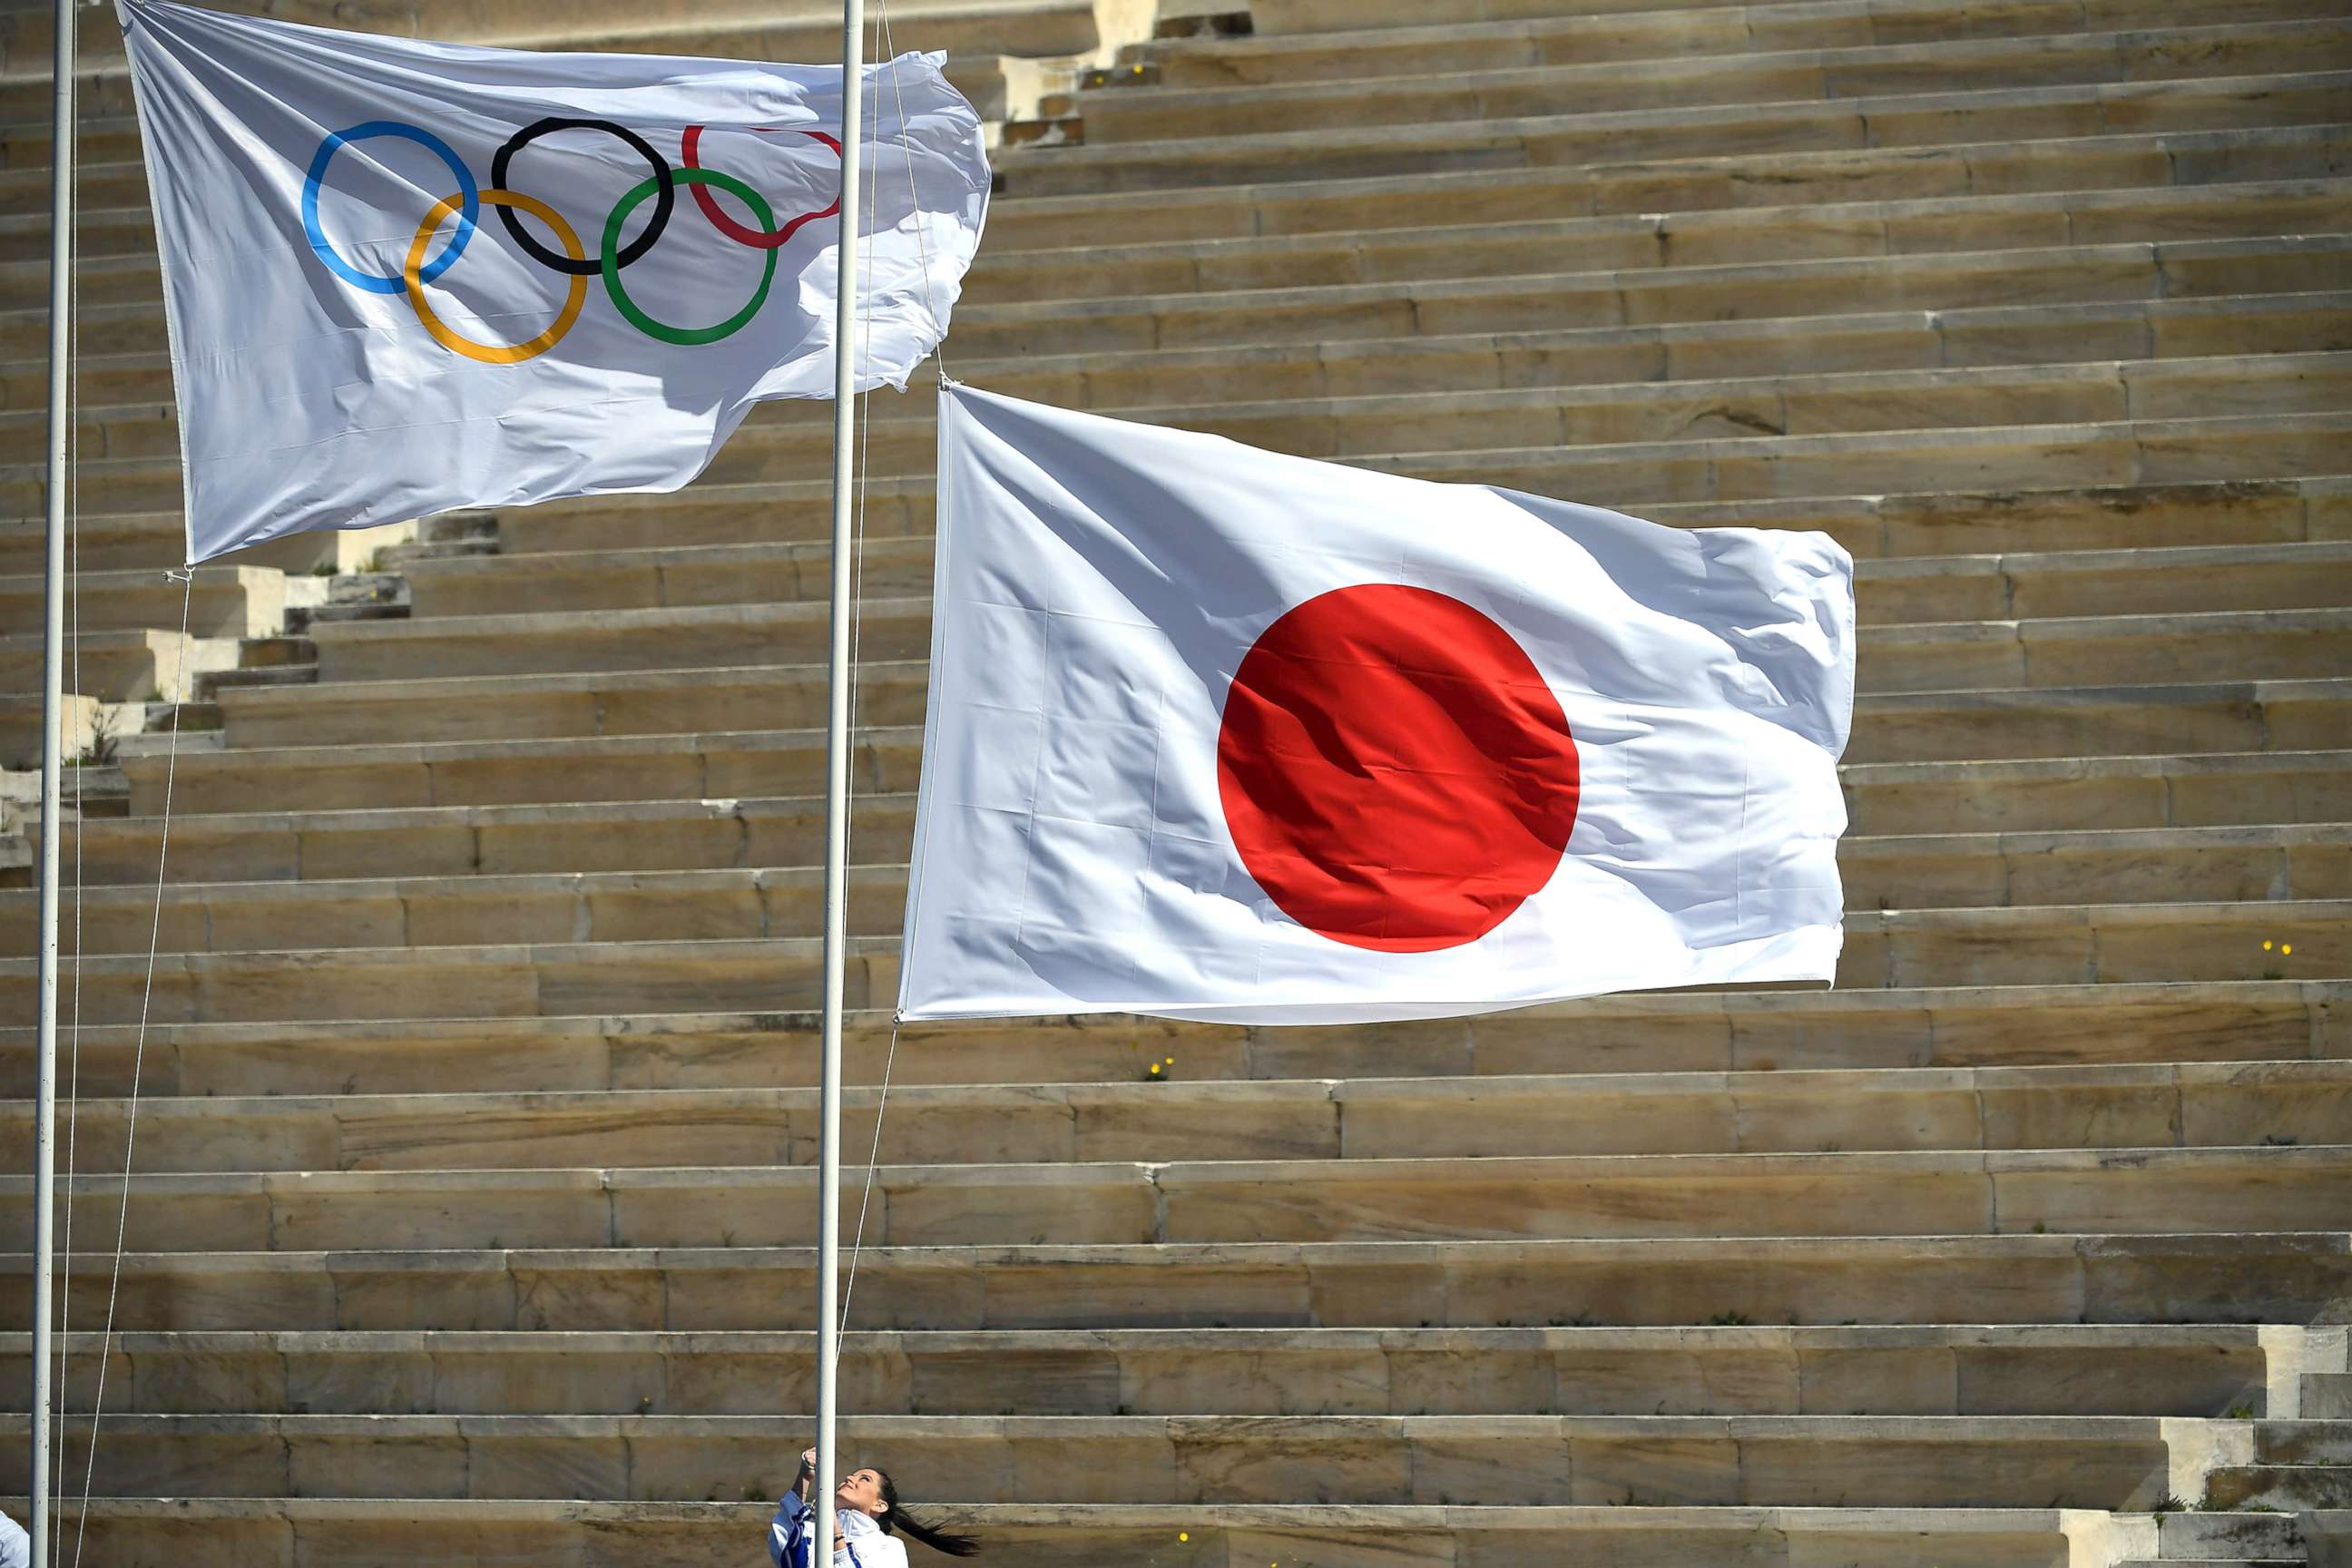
pixel 45 1110
pixel 836 782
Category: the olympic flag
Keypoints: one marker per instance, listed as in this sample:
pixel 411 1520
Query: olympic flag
pixel 1217 733
pixel 353 343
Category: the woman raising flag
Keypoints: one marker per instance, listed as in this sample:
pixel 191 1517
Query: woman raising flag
pixel 866 1523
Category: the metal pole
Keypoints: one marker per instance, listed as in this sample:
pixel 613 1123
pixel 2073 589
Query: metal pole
pixel 45 1104
pixel 836 778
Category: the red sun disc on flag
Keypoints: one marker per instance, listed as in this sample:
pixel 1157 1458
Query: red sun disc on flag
pixel 1395 771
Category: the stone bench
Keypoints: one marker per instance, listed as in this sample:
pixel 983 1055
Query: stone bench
pixel 2193 1105
pixel 1671 78
pixel 2014 1279
pixel 1706 1032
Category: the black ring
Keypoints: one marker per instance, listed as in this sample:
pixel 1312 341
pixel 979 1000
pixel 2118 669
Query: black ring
pixel 664 199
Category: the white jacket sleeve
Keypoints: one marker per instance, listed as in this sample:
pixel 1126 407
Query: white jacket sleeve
pixel 875 1551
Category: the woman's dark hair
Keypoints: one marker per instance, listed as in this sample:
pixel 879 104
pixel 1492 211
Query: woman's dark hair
pixel 896 1521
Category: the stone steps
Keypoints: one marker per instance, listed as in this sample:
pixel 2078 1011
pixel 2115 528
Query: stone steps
pixel 2290 863
pixel 1277 59
pixel 610 737
pixel 1564 299
pixel 1933 656
pixel 1762 1032
pixel 2032 945
pixel 1864 277
pixel 123 406
pixel 1672 80
pixel 1279 18
pixel 1970 340
pixel 207 1533
pixel 86 723
pixel 2118 794
pixel 116 221
pixel 1886 593
pixel 1940 280
pixel 1968 1280
pixel 2294 1463
pixel 1770 1370
pixel 1393 431
pixel 1898 522
pixel 2224 1536
pixel 2187 1105
pixel 120 258
pixel 2169 1191
pixel 1818 1461
pixel 118 667
pixel 1342 151
pixel 234 601
pixel 2121 162
pixel 1649 476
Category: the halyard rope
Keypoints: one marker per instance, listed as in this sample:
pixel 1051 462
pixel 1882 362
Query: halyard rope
pixel 887 47
pixel 138 1060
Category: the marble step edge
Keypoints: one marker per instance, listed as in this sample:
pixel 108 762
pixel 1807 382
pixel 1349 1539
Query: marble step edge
pixel 1516 23
pixel 806 879
pixel 1980 922
pixel 1454 466
pixel 2307 490
pixel 1008 210
pixel 1296 297
pixel 970 1264
pixel 898 805
pixel 1672 69
pixel 627 623
pixel 1174 1176
pixel 435 688
pixel 1744 1091
pixel 2010 563
pixel 1245 150
pixel 869 1026
pixel 1665 335
pixel 263 1532
pixel 744 1519
pixel 1718 1338
pixel 911 418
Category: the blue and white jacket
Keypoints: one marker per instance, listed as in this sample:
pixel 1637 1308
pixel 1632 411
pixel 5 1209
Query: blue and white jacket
pixel 865 1546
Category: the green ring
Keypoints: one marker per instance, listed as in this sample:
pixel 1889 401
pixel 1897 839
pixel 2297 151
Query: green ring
pixel 609 259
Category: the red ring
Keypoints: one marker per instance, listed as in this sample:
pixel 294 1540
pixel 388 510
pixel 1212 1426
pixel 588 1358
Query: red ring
pixel 690 145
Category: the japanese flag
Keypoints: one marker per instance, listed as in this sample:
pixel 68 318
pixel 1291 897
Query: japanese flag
pixel 1217 733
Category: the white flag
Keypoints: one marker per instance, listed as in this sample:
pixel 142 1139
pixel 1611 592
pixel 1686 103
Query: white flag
pixel 403 277
pixel 1217 733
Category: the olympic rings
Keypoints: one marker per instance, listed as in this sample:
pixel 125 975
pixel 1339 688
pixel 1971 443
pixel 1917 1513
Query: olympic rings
pixel 376 283
pixel 611 263
pixel 413 277
pixel 575 262
pixel 689 153
pixel 577 266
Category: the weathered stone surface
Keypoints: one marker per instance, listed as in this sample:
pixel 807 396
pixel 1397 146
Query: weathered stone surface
pixel 472 1206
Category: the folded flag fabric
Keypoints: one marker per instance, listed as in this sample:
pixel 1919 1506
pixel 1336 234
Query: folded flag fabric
pixel 403 277
pixel 1217 734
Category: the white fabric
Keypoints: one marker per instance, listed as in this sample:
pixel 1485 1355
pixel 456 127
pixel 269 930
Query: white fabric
pixel 307 401
pixel 865 1545
pixel 1097 582
pixel 16 1546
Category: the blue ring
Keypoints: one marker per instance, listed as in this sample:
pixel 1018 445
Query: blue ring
pixel 376 283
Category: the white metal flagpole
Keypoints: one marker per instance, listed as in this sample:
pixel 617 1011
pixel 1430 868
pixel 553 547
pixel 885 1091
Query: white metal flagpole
pixel 836 782
pixel 45 1104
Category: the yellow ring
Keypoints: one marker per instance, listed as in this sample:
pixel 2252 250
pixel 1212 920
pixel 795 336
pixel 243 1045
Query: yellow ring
pixel 495 354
